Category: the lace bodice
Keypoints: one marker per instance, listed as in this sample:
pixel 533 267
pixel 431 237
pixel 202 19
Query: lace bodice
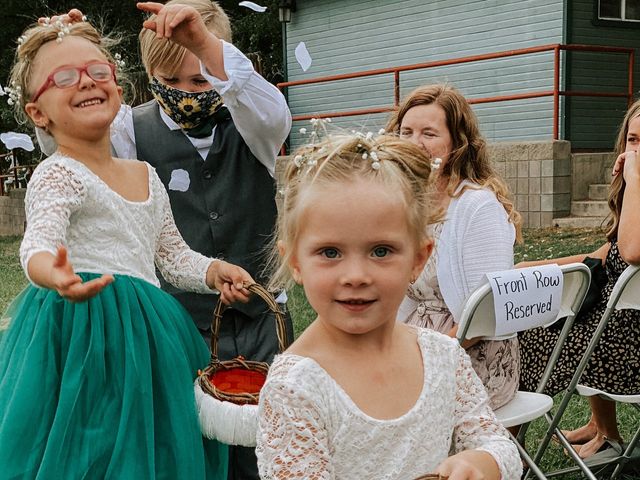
pixel 310 428
pixel 67 204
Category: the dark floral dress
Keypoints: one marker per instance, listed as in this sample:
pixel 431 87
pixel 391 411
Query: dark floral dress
pixel 615 363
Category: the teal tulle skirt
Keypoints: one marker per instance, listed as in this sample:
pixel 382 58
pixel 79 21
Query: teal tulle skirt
pixel 103 388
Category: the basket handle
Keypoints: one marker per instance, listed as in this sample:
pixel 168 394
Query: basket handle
pixel 281 331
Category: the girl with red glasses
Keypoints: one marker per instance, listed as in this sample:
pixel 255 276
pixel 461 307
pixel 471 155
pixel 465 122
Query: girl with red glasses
pixel 97 367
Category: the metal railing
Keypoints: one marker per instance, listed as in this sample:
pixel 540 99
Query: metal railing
pixel 555 92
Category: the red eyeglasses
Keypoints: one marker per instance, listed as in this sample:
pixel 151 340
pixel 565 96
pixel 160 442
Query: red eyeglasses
pixel 67 77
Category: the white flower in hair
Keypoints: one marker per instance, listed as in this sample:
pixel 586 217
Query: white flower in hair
pixel 298 160
pixel 15 94
pixel 435 164
pixel 119 62
pixel 303 131
pixel 381 131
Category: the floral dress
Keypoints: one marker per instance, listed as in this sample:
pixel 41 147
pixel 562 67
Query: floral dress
pixel 614 365
pixel 495 361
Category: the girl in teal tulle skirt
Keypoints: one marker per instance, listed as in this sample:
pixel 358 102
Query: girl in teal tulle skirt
pixel 97 366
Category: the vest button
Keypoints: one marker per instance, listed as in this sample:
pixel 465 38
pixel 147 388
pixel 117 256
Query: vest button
pixel 207 174
pixel 213 215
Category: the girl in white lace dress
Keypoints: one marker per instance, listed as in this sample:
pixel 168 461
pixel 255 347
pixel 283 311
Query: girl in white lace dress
pixel 359 395
pixel 96 369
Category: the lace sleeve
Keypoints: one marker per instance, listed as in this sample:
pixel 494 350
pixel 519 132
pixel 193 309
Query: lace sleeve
pixel 292 441
pixel 476 426
pixel 178 264
pixel 53 194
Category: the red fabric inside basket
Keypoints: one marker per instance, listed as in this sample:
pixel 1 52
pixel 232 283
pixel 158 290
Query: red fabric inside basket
pixel 238 380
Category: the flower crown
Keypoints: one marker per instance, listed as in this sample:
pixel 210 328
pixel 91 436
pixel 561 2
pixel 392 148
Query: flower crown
pixel 319 127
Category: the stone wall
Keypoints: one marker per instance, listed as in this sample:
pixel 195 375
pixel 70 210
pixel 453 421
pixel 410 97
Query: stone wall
pixel 12 217
pixel 539 177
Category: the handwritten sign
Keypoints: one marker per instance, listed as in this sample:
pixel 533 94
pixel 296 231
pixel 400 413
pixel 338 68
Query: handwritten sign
pixel 526 297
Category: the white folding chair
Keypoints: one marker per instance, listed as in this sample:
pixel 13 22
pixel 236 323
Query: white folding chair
pixel 624 296
pixel 478 320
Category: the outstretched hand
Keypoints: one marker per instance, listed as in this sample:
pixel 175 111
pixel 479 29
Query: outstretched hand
pixel 627 164
pixel 69 284
pixel 230 280
pixel 180 23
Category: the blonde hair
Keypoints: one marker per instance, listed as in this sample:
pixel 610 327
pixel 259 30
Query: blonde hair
pixel 468 159
pixel 33 38
pixel 399 166
pixel 161 53
pixel 616 189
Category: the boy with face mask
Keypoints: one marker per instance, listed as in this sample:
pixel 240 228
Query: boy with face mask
pixel 212 132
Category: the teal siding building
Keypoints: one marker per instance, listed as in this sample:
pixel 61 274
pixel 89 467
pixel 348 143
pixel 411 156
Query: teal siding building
pixel 347 36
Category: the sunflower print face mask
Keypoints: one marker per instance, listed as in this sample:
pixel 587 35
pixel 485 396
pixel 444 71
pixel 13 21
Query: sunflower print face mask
pixel 190 110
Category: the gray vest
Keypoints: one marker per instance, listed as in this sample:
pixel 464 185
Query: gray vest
pixel 227 212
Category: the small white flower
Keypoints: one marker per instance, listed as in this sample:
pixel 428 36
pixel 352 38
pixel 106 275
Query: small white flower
pixel 381 131
pixel 298 160
pixel 369 136
pixel 375 165
pixel 365 156
pixel 303 131
pixel 59 40
pixel 328 120
pixel 374 156
pixel 10 101
pixel 84 18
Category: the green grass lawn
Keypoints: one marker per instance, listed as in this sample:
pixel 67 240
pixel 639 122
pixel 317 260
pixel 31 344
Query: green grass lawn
pixel 538 244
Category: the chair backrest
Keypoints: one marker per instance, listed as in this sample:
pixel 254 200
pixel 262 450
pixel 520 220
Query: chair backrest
pixel 626 291
pixel 478 314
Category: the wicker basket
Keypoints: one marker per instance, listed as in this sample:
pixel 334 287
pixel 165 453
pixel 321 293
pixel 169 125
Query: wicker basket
pixel 227 392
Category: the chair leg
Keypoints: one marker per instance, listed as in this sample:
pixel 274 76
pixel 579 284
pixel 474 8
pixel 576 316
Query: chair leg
pixel 626 455
pixel 574 455
pixel 533 468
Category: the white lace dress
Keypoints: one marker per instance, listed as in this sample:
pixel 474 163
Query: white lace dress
pixel 310 428
pixel 67 204
pixel 114 395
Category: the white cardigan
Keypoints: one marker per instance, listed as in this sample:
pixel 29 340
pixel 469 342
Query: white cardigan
pixel 476 238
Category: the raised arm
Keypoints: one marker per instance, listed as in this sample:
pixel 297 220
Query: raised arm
pixel 258 109
pixel 628 164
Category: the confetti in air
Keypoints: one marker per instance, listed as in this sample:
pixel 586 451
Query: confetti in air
pixel 253 6
pixel 303 57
